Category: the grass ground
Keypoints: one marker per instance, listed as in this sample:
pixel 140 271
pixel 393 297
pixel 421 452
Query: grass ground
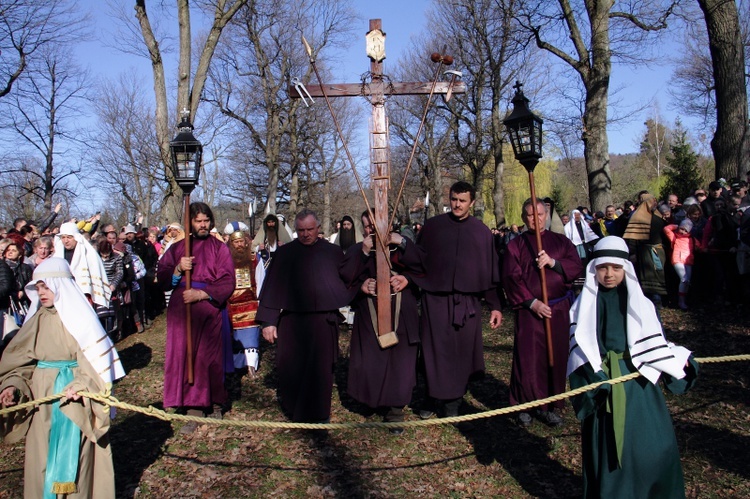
pixel 493 458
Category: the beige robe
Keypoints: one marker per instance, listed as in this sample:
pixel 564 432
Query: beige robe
pixel 43 337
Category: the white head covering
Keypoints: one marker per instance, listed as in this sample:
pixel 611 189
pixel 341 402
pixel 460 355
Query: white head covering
pixel 86 265
pixel 77 316
pixel 571 231
pixel 648 348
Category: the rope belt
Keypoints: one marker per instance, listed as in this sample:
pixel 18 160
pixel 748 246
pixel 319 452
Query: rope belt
pixel 64 437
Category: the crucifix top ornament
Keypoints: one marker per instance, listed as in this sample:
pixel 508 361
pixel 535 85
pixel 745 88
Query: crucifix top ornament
pixel 375 45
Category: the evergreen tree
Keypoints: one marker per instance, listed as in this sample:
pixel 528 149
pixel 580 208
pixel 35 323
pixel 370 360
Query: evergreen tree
pixel 682 175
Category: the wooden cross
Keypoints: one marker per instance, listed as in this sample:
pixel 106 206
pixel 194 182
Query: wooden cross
pixel 380 157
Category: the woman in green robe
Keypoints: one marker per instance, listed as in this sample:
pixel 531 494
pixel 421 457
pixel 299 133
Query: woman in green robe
pixel 628 441
pixel 61 348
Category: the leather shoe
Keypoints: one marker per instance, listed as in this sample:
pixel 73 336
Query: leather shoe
pixel 524 419
pixel 426 414
pixel 550 418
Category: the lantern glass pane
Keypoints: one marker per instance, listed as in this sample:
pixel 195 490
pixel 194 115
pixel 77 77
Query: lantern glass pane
pixel 538 138
pixel 524 139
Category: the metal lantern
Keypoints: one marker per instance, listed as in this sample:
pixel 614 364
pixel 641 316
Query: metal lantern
pixel 525 131
pixel 186 155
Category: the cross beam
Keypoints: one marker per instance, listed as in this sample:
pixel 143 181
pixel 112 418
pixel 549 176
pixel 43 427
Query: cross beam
pixel 377 91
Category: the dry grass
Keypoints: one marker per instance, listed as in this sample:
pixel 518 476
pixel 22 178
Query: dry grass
pixel 494 458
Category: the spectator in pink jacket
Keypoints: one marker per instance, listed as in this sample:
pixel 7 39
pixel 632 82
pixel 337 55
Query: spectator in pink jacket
pixel 683 255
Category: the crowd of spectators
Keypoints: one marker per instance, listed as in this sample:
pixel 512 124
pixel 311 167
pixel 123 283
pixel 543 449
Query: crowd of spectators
pixel 701 243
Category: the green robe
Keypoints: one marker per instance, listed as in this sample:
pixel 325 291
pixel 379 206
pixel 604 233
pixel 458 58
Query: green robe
pixel 650 464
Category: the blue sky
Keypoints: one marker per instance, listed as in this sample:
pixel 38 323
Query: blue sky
pixel 402 20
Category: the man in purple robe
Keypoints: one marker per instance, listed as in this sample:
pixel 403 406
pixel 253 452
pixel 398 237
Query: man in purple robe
pixel 213 282
pixel 382 378
pixel 531 376
pixel 461 267
pixel 299 310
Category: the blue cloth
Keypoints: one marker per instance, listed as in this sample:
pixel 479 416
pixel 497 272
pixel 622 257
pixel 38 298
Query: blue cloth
pixel 64 437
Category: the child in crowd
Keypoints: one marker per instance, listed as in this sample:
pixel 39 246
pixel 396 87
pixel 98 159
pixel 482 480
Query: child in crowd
pixel 684 246
pixel 628 441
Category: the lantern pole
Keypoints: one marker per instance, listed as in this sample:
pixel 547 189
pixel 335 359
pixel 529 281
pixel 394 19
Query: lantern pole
pixel 525 131
pixel 186 163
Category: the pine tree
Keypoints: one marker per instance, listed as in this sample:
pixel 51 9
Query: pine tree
pixel 682 175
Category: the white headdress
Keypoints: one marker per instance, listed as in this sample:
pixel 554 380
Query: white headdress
pixel 649 350
pixel 571 230
pixel 77 316
pixel 86 265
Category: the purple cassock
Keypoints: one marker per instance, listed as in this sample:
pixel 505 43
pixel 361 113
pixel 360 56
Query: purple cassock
pixel 531 377
pixel 381 377
pixel 213 272
pixel 460 268
pixel 301 296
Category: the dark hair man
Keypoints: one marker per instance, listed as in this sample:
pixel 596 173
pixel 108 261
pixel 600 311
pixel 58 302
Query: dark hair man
pixel 461 267
pixel 213 283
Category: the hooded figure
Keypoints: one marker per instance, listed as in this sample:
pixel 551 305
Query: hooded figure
pixel 271 235
pixel 60 348
pixel 348 235
pixel 85 264
pixel 629 445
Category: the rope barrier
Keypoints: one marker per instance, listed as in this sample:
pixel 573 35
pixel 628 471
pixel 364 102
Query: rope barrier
pixel 109 400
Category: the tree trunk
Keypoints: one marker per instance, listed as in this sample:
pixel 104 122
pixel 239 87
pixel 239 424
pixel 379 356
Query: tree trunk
pixel 498 194
pixel 595 138
pixel 731 144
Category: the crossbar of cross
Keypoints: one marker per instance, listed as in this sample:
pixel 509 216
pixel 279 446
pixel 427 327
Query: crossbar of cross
pixel 377 91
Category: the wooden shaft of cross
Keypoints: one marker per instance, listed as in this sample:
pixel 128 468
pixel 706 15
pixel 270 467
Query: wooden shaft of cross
pixel 380 184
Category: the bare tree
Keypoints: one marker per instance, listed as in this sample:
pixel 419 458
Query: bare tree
pixel 250 83
pixel 41 116
pixel 189 84
pixel 126 155
pixel 27 27
pixel 588 37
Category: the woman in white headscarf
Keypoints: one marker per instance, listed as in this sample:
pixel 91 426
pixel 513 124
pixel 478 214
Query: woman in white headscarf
pixel 60 348
pixel 580 234
pixel 629 445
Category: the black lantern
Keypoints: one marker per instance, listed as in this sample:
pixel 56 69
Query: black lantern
pixel 525 131
pixel 186 155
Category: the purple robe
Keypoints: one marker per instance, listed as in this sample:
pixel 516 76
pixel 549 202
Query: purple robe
pixel 460 268
pixel 213 272
pixel 301 295
pixel 380 377
pixel 531 377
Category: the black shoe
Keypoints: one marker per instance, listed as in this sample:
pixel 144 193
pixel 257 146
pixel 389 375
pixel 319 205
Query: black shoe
pixel 396 431
pixel 426 414
pixel 450 407
pixel 524 419
pixel 550 418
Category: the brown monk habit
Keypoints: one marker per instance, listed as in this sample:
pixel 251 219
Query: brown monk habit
pixel 301 295
pixel 460 268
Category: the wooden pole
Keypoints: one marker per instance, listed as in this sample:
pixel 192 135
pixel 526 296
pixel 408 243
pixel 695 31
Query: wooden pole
pixel 542 274
pixel 186 222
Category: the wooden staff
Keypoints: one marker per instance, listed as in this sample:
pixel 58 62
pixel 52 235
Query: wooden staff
pixel 186 222
pixel 542 274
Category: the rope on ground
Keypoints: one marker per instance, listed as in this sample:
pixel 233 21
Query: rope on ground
pixel 108 399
